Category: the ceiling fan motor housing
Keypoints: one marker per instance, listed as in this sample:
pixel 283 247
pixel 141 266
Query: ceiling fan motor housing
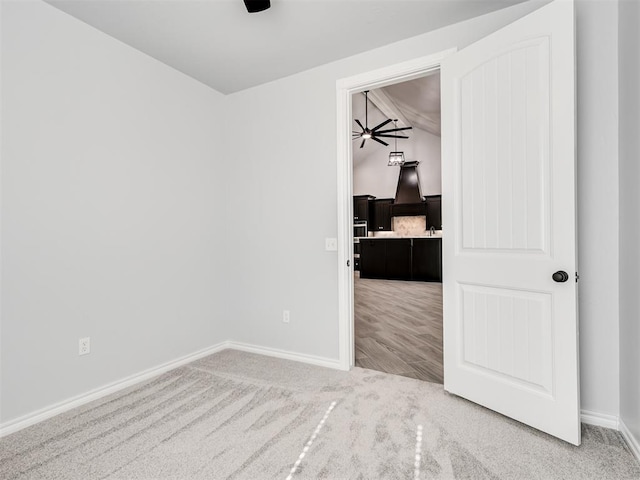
pixel 255 6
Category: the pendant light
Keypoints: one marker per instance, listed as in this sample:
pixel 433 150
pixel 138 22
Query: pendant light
pixel 396 158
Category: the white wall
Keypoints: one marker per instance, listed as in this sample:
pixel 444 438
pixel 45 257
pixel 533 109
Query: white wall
pixel 290 169
pixel 597 134
pixel 112 209
pixel 629 172
pixel 292 173
pixel 372 175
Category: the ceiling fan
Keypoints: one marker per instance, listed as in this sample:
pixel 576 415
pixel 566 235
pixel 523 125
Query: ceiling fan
pixel 375 132
pixel 255 6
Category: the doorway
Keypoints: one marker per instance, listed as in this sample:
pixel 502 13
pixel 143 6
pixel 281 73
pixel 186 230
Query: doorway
pixel 391 75
pixel 398 229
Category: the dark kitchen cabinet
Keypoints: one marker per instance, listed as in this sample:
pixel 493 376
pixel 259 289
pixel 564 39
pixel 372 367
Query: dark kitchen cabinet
pixel 398 258
pixel 427 259
pixel 408 209
pixel 373 258
pixel 434 211
pixel 402 259
pixel 361 208
pixel 381 213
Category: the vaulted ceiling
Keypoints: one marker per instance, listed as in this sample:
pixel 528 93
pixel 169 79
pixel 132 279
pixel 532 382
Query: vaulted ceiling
pixel 415 103
pixel 218 43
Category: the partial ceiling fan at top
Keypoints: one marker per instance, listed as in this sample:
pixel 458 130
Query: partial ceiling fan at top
pixel 375 133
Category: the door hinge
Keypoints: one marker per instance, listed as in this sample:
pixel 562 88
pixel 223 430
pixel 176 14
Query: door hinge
pixel 577 277
pixel 348 263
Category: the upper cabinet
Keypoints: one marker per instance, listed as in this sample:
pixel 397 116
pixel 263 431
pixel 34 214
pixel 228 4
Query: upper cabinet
pixel 361 208
pixel 378 212
pixel 381 221
pixel 434 212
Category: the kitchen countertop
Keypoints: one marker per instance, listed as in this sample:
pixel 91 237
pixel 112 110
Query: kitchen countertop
pixel 438 234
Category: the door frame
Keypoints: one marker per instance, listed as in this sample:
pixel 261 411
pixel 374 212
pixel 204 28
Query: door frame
pixel 400 72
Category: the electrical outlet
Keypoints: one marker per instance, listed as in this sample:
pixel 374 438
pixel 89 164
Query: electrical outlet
pixel 285 316
pixel 84 346
pixel 331 244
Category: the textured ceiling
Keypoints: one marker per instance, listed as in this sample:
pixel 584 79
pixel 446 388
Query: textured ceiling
pixel 218 43
pixel 418 101
pixel 415 103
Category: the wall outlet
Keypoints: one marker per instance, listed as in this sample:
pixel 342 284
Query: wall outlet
pixel 285 316
pixel 331 244
pixel 84 346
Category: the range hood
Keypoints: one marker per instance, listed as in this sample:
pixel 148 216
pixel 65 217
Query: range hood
pixel 409 200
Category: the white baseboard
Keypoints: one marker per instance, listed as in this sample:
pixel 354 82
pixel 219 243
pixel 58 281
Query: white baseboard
pixel 95 394
pixel 616 423
pixel 632 441
pixel 600 419
pixel 286 355
pixel 73 402
pixel 589 417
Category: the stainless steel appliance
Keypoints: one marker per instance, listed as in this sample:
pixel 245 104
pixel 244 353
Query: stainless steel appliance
pixel 360 229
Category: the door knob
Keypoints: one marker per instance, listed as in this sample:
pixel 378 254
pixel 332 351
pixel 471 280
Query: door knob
pixel 560 276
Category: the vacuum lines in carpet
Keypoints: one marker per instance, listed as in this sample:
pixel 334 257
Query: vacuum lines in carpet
pixel 241 416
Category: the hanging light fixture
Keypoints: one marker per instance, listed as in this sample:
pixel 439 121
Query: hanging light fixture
pixel 396 158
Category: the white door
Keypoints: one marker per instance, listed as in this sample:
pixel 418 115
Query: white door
pixel 508 137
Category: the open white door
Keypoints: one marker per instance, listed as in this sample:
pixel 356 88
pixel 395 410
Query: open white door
pixel 509 216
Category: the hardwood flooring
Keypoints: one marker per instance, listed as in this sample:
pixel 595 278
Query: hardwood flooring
pixel 398 327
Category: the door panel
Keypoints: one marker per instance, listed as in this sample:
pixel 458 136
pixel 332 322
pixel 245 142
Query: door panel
pixel 506 334
pixel 508 140
pixel 504 160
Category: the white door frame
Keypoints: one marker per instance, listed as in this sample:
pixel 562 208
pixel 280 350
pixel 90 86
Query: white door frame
pixel 345 87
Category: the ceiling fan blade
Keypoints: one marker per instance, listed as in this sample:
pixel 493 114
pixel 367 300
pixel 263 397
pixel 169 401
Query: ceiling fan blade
pixel 380 141
pixel 390 136
pixel 362 144
pixel 395 129
pixel 358 122
pixel 381 125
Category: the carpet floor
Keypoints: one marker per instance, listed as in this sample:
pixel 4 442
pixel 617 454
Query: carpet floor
pixel 236 415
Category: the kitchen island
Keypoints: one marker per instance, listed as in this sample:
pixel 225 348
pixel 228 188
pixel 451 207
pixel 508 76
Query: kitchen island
pixel 402 258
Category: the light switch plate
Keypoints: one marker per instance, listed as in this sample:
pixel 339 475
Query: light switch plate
pixel 331 244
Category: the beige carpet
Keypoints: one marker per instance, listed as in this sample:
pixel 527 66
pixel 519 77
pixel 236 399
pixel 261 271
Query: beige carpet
pixel 242 416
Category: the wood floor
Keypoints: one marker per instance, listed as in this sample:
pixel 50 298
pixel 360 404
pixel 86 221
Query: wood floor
pixel 398 327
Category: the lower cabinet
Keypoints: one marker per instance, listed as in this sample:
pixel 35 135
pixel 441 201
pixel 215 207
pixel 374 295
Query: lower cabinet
pixel 402 259
pixel 373 258
pixel 398 258
pixel 427 259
